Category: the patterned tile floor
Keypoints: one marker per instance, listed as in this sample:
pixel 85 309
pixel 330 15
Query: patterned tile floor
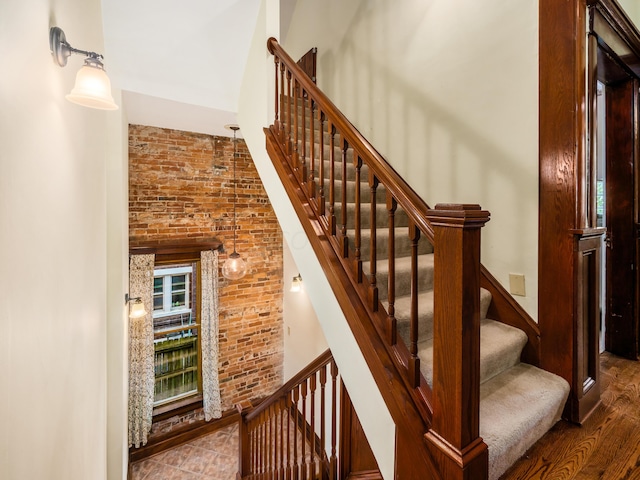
pixel 214 456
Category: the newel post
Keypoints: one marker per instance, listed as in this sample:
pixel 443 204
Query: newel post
pixel 244 460
pixel 454 434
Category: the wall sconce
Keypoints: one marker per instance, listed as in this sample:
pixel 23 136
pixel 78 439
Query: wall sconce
pixel 136 306
pixel 93 87
pixel 296 283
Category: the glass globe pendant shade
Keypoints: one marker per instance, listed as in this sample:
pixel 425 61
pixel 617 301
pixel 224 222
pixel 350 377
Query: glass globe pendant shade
pixel 235 267
pixel 92 88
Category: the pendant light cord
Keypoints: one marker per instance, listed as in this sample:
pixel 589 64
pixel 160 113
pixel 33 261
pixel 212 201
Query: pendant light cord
pixel 234 189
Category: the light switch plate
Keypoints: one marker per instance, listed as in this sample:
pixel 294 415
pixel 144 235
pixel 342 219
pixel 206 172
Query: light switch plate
pixel 516 284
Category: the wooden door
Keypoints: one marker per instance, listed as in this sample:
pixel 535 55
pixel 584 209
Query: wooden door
pixel 621 337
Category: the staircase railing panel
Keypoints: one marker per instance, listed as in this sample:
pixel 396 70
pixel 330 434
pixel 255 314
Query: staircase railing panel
pixel 285 436
pixel 349 177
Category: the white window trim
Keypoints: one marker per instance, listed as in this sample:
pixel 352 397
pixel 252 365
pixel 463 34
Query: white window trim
pixel 166 274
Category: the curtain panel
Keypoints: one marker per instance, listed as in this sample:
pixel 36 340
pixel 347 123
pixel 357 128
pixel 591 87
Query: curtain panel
pixel 209 335
pixel 141 351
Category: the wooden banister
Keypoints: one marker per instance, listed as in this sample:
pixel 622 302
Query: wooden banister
pixel 329 169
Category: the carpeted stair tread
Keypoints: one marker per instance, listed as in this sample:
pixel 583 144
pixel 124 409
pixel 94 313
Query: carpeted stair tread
pixel 402 307
pixel 500 349
pixel 403 275
pixel 402 242
pixel 517 407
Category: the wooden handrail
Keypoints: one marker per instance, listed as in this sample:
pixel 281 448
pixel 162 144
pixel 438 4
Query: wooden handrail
pixel 401 190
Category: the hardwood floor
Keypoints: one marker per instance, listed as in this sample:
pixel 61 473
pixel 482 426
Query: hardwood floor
pixel 606 447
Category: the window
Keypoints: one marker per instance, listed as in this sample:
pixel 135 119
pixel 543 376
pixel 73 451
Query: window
pixel 175 327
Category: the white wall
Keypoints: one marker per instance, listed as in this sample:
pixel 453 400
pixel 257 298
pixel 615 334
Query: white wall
pixel 52 250
pixel 117 179
pixel 303 337
pixel 447 91
pixel 253 115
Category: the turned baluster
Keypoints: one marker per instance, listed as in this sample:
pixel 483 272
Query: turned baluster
pixel 303 135
pixel 289 472
pixel 303 394
pixel 295 160
pixel 296 467
pixel 289 113
pixel 343 208
pixel 414 361
pixel 311 184
pixel 283 117
pixel 332 179
pixel 323 419
pixel 357 163
pixel 321 175
pixel 276 122
pixel 373 253
pixel 333 460
pixel 392 205
pixel 312 408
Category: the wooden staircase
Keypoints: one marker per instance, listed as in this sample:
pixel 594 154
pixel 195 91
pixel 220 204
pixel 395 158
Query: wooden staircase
pixel 430 320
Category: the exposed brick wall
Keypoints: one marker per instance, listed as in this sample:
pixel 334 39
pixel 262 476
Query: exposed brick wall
pixel 181 186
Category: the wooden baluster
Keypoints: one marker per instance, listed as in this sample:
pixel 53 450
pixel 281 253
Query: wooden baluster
pixel 312 391
pixel 456 340
pixel 343 209
pixel 289 472
pixel 392 205
pixel 333 461
pixel 283 118
pixel 296 124
pixel 321 121
pixel 303 142
pixel 296 398
pixel 312 147
pixel 373 253
pixel 289 114
pixel 281 468
pixel 263 444
pixel 357 163
pixel 303 392
pixel 323 419
pixel 414 361
pixel 332 179
pixel 276 122
pixel 270 441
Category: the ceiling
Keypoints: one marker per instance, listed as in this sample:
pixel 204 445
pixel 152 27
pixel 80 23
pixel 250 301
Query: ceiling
pixel 179 64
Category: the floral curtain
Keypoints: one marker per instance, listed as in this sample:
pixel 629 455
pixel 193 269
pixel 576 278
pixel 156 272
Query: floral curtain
pixel 209 334
pixel 141 354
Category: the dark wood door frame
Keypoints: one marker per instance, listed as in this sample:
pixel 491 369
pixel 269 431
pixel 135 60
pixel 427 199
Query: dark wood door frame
pixel 568 239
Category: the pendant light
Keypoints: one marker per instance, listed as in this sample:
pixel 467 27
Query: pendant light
pixel 234 267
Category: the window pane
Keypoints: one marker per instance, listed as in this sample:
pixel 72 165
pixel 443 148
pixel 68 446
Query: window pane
pixel 157 285
pixel 157 302
pixel 177 300
pixel 176 365
pixel 178 282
